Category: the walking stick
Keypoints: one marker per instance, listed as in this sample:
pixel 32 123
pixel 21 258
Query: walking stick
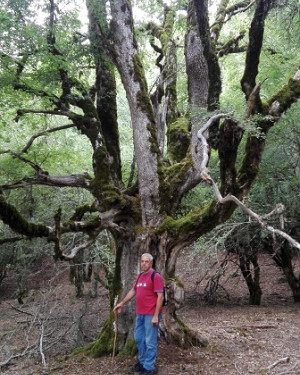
pixel 116 334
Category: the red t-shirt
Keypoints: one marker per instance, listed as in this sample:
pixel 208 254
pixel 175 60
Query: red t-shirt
pixel 146 292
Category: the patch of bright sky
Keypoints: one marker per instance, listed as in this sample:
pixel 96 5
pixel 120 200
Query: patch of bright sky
pixel 63 6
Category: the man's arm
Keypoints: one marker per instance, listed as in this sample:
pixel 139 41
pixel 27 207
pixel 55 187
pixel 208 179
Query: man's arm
pixel 159 303
pixel 127 298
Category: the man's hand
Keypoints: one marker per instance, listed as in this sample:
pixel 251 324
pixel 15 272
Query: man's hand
pixel 154 320
pixel 129 295
pixel 118 308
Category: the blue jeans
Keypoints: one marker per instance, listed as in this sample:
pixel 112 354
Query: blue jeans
pixel 145 336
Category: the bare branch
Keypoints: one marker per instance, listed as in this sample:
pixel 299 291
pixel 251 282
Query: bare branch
pixel 252 214
pixel 203 148
pixel 78 248
pixel 202 151
pixel 237 369
pixel 20 310
pixel 281 360
pixel 19 355
pixel 290 370
pixel 200 156
pixel 25 149
pixel 41 346
pixel 224 14
pixel 36 167
pixel 22 111
pixel 43 178
pixel 236 11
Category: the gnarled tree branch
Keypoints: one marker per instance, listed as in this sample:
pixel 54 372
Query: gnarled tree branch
pixel 43 178
pixel 58 128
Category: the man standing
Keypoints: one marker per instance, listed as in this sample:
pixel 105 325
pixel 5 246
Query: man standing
pixel 149 300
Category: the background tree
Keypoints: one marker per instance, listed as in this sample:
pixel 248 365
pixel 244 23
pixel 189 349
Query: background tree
pixel 52 70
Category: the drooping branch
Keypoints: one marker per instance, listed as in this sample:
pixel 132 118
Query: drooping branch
pixel 105 220
pixel 240 7
pixel 232 198
pixel 33 165
pixel 252 214
pixel 38 92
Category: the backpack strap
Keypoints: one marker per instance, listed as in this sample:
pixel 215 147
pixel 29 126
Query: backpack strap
pixel 152 275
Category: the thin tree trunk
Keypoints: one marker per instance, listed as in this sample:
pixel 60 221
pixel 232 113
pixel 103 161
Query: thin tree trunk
pixel 252 281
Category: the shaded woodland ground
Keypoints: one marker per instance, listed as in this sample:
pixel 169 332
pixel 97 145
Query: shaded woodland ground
pixel 242 339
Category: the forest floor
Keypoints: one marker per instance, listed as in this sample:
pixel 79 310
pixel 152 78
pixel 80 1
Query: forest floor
pixel 36 336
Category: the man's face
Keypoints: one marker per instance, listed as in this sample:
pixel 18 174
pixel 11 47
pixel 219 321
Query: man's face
pixel 145 264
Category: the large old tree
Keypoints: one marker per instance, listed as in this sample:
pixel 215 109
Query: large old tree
pixel 70 76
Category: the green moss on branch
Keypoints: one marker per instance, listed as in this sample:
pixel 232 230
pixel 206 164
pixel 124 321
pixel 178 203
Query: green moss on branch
pixel 12 217
pixel 178 135
pixel 286 96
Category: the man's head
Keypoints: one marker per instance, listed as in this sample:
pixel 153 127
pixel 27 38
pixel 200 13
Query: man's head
pixel 146 262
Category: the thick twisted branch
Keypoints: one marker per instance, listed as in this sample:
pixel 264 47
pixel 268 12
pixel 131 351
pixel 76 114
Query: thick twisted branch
pixel 43 178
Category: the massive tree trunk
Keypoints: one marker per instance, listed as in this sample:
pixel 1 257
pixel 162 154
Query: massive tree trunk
pixel 127 268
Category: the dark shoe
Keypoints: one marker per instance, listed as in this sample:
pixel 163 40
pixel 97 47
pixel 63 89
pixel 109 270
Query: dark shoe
pixel 137 367
pixel 149 372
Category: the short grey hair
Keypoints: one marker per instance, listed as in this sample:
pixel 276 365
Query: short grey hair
pixel 148 255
